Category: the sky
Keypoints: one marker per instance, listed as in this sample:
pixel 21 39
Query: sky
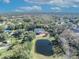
pixel 39 6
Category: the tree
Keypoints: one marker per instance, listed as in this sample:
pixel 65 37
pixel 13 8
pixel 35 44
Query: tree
pixel 1 28
pixel 28 36
pixel 2 38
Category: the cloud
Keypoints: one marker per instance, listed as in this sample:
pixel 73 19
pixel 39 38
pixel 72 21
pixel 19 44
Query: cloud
pixel 62 3
pixel 18 10
pixel 75 6
pixel 29 8
pixel 6 1
pixel 65 3
pixel 37 1
pixel 56 9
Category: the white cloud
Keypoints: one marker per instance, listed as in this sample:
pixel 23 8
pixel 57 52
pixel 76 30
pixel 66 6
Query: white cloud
pixel 56 9
pixel 18 10
pixel 64 3
pixel 6 1
pixel 37 1
pixel 75 6
pixel 29 8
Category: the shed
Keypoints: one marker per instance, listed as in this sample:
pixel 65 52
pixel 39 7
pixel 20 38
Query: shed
pixel 44 47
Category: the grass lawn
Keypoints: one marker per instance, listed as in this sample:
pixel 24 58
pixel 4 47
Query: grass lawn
pixel 40 56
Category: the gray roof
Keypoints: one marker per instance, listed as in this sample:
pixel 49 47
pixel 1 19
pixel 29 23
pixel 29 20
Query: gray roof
pixel 39 30
pixel 76 30
pixel 4 46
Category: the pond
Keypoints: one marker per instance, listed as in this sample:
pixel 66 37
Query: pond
pixel 44 47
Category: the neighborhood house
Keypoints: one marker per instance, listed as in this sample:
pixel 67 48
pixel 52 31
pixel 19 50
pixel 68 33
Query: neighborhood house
pixel 40 32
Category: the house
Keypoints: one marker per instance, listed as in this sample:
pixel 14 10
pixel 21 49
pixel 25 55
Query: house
pixel 44 47
pixel 76 30
pixel 2 22
pixel 40 32
pixel 9 28
pixel 16 33
pixel 7 31
pixel 4 46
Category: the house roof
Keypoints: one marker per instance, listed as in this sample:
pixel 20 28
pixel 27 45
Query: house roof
pixel 76 30
pixel 4 45
pixel 7 30
pixel 39 30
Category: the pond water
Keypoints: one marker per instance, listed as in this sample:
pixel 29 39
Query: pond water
pixel 44 47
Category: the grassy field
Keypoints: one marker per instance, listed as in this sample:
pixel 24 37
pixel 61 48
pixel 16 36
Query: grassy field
pixel 40 56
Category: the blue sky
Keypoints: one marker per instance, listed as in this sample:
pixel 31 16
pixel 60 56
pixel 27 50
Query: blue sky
pixel 39 6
